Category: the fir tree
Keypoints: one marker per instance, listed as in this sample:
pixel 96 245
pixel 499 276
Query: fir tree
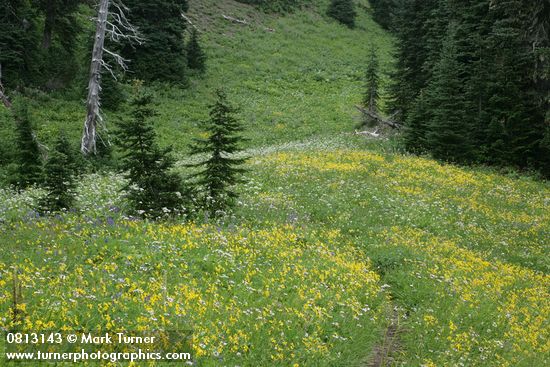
pixel 409 77
pixel 153 190
pixel 343 11
pixel 29 171
pixel 382 12
pixel 416 126
pixel 447 137
pixel 59 173
pixel 372 94
pixel 196 58
pixel 498 69
pixel 112 92
pixel 162 55
pixel 19 43
pixel 221 171
pixel 59 39
pixel 516 120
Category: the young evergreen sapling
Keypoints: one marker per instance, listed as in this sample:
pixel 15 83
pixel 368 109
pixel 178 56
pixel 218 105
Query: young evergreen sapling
pixel 153 191
pixel 29 168
pixel 59 173
pixel 221 170
pixel 372 94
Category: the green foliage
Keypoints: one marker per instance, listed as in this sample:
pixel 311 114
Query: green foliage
pixel 343 11
pixel 29 163
pixel 410 75
pixel 8 151
pixel 162 55
pixel 221 170
pixel 517 123
pixel 414 136
pixel 285 90
pixel 7 137
pixel 59 42
pixel 19 56
pixel 59 181
pixel 37 45
pixel 499 106
pixel 383 12
pixel 545 151
pixel 447 136
pixel 196 58
pixel 112 92
pixel 153 191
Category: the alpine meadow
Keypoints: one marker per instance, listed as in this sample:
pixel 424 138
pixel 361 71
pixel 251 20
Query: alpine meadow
pixel 250 183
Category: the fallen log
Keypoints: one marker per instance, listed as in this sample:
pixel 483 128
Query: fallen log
pixel 234 20
pixel 186 18
pixel 390 122
pixel 374 134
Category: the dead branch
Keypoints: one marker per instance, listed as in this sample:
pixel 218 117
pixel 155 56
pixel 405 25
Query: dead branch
pixel 234 20
pixel 390 121
pixel 188 20
pixel 374 134
pixel 121 28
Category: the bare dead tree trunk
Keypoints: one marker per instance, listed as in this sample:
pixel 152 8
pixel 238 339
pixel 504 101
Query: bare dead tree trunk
pixel 117 29
pixel 93 117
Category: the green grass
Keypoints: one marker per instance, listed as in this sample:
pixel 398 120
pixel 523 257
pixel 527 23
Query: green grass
pixel 299 80
pixel 461 253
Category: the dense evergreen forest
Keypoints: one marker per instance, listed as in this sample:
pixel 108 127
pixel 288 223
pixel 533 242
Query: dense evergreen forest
pixel 472 79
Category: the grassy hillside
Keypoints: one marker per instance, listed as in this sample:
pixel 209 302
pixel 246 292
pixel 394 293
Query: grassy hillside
pixel 337 241
pixel 293 76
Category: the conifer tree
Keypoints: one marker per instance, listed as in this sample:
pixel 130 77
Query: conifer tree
pixel 415 129
pixel 343 11
pixel 515 118
pixel 196 58
pixel 410 75
pixel 221 171
pixel 153 191
pixel 382 12
pixel 503 98
pixel 59 39
pixel 372 94
pixel 29 171
pixel 162 55
pixel 59 173
pixel 447 137
pixel 19 43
